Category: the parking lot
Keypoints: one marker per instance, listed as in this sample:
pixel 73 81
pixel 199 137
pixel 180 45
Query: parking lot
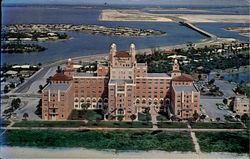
pixel 209 104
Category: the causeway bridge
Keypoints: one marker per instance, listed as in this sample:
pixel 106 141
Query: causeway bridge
pixel 203 32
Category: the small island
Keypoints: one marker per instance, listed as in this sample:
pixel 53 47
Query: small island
pixel 21 48
pixel 44 32
pixel 16 36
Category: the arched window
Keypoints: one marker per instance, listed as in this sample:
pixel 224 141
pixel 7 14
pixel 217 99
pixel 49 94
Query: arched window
pixel 137 101
pixel 94 100
pixel 155 101
pixel 88 100
pixel 161 101
pixel 120 111
pixel 76 100
pixel 100 100
pixel 143 101
pixel 82 100
pixel 167 101
pixel 106 100
pixel 149 101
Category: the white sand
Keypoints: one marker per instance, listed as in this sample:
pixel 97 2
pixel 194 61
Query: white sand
pixel 130 15
pixel 137 15
pixel 25 153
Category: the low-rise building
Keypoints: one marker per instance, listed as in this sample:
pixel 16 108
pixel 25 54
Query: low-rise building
pixel 240 104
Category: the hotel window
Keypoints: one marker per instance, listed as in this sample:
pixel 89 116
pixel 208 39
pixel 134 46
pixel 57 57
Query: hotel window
pixel 137 101
pixel 143 101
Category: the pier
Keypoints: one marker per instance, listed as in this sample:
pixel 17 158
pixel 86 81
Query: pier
pixel 203 32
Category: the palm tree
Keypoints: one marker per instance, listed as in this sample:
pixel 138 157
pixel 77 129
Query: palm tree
pixel 48 80
pixel 195 115
pixel 25 116
pixel 202 117
pixel 132 117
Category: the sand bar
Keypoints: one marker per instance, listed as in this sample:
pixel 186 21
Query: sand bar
pixel 137 15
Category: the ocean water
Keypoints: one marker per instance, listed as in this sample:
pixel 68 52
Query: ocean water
pixel 86 44
pixel 238 77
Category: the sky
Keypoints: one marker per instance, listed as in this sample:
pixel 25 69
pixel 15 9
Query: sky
pixel 157 2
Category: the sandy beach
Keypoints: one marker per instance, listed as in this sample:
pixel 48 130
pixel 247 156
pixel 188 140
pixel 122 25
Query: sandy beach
pixel 28 152
pixel 137 15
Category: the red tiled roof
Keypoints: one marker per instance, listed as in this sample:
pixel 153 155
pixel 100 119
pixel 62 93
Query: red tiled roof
pixel 169 52
pixel 61 77
pixel 183 77
pixel 122 54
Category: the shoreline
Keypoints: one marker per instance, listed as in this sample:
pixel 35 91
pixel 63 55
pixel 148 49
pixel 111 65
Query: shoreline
pixel 96 57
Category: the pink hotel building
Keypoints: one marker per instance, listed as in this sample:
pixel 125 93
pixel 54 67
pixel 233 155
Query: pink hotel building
pixel 121 87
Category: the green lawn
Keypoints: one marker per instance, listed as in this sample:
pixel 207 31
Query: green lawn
pixel 237 142
pixel 142 116
pixel 102 140
pixel 217 125
pixel 89 115
pixel 123 124
pixel 49 123
pixel 161 118
pixel 72 123
pixel 172 125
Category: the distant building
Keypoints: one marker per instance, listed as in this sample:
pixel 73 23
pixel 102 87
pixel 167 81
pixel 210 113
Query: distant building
pixel 240 104
pixel 11 73
pixel 122 87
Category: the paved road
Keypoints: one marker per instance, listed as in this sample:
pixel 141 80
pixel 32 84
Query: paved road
pixel 23 88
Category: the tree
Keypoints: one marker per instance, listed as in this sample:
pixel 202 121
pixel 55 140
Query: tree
pixel 202 117
pixel 6 89
pixel 21 79
pixel 195 115
pixel 132 117
pixel 211 82
pixel 15 103
pixel 237 116
pixel 12 85
pixel 40 89
pixel 147 109
pixel 225 101
pixel 59 70
pixel 39 108
pixel 199 77
pixel 25 116
pixel 173 118
pixel 48 80
pixel 244 117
